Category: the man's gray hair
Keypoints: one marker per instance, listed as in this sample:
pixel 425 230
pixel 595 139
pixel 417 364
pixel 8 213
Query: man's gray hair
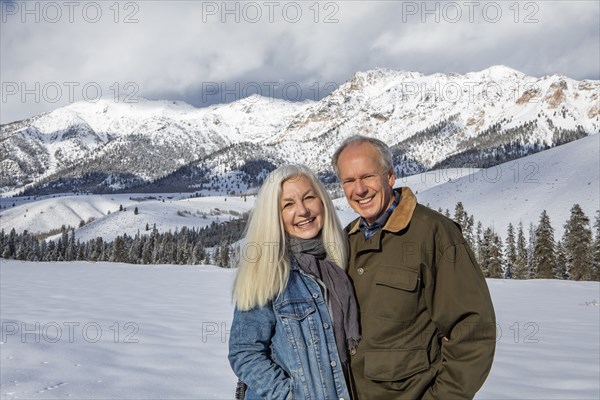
pixel 382 148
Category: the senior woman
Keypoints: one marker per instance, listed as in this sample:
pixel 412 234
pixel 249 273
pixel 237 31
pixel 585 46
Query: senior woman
pixel 296 318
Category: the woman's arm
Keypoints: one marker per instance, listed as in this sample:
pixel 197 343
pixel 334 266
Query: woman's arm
pixel 250 353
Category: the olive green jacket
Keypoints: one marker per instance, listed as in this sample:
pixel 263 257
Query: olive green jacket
pixel 427 320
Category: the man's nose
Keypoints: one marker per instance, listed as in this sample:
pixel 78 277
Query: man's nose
pixel 360 187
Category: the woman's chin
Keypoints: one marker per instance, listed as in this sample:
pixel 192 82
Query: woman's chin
pixel 308 234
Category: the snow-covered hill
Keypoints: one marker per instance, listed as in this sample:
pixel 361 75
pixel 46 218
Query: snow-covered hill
pixel 518 191
pixel 438 119
pixel 102 217
pixel 117 331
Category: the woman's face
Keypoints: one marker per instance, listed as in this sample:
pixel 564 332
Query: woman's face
pixel 301 209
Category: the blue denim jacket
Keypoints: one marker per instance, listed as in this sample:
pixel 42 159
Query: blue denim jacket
pixel 286 349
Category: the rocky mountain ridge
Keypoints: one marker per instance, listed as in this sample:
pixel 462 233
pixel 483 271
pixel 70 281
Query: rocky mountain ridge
pixel 431 121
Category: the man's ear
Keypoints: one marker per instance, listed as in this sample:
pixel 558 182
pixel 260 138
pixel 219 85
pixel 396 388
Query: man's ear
pixel 391 178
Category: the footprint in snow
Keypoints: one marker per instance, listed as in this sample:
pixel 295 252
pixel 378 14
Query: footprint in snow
pixel 52 386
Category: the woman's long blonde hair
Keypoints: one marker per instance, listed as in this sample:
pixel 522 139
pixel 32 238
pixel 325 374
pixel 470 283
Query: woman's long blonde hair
pixel 264 261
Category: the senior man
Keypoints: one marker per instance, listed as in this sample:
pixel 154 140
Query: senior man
pixel 427 319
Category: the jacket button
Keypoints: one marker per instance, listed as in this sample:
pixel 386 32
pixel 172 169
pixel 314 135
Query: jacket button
pixel 333 363
pixel 315 296
pixel 326 325
pixel 360 271
pixel 353 352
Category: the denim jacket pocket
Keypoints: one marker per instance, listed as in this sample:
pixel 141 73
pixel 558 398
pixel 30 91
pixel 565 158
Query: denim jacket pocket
pixel 298 319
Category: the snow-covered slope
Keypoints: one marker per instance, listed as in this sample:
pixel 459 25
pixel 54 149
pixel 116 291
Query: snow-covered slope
pixel 429 118
pixel 117 331
pixel 519 190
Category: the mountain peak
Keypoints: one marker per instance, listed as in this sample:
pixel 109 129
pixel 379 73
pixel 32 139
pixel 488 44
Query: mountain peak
pixel 497 72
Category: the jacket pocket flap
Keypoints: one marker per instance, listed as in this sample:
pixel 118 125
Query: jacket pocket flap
pixel 397 277
pixel 295 309
pixel 394 365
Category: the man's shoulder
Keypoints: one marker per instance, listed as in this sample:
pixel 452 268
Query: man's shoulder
pixel 434 219
pixel 424 211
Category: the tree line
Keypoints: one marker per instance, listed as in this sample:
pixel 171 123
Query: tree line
pixel 521 255
pixel 537 254
pixel 207 245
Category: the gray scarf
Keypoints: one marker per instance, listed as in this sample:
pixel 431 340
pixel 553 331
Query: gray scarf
pixel 310 254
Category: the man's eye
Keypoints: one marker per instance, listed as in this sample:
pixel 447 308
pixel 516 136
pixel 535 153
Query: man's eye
pixel 348 182
pixel 286 205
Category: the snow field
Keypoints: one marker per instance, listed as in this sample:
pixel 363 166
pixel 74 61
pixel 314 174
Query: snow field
pixel 160 332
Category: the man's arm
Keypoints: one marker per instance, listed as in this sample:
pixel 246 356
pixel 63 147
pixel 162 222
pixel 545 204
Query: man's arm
pixel 462 310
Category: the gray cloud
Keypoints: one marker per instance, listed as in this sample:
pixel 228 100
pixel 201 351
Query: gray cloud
pixel 180 49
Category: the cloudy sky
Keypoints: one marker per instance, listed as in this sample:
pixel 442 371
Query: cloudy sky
pixel 205 52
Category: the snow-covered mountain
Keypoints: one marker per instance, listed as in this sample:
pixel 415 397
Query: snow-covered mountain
pixel 513 192
pixel 478 119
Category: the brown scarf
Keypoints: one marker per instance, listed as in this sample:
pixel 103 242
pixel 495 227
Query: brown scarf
pixel 310 254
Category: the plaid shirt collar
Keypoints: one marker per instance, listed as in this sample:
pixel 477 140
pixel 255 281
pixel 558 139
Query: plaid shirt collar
pixel 370 230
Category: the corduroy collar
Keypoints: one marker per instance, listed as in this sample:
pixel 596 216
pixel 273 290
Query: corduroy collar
pixel 401 215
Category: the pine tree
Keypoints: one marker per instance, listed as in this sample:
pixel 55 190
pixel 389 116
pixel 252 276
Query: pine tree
pixel 21 249
pixel 199 255
pixel 134 252
pixel 118 253
pixel 577 243
pixel 225 254
pixel 51 254
pixel 146 250
pixel 561 271
pixel 596 249
pixel 544 257
pixel 71 251
pixel 81 251
pixel 63 243
pixel 9 244
pixel 511 253
pixel 479 241
pixel 184 248
pixel 468 233
pixel 531 268
pixel 460 216
pixel 217 255
pixel 207 258
pixel 485 250
pixel 496 258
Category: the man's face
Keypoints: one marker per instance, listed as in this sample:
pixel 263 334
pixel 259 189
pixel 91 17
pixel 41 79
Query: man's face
pixel 366 184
